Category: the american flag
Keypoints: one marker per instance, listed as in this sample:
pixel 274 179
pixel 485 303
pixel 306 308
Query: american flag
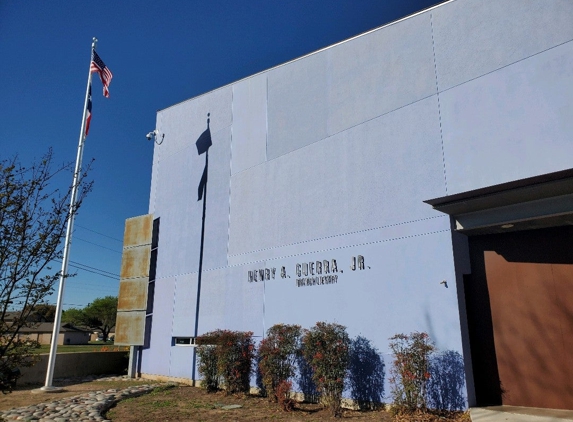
pixel 104 73
pixel 89 110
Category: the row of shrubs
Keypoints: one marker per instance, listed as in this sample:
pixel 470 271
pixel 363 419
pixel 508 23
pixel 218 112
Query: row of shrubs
pixel 327 361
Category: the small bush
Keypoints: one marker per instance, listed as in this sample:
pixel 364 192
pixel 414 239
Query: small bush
pixel 208 367
pixel 410 371
pixel 282 392
pixel 277 359
pixel 232 353
pixel 326 350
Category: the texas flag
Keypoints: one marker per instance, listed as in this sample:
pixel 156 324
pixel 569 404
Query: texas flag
pixel 89 110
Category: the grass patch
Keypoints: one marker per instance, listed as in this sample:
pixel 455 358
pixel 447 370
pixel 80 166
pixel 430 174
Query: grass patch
pixel 161 403
pixel 75 348
pixel 162 389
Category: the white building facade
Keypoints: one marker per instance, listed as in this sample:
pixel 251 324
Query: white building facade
pixel 318 174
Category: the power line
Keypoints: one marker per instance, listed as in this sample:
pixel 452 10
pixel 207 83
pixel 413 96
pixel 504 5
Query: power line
pixel 94 272
pixel 94 268
pixel 101 234
pixel 113 276
pixel 97 244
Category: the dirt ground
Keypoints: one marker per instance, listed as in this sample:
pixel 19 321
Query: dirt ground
pixel 184 403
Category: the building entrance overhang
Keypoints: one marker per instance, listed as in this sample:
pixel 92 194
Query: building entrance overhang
pixel 531 203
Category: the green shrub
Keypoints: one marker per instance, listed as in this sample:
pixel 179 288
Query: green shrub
pixel 231 353
pixel 277 360
pixel 410 371
pixel 208 367
pixel 325 348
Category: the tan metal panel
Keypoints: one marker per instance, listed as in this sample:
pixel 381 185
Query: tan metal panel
pixel 130 328
pixel 135 262
pixel 132 295
pixel 138 231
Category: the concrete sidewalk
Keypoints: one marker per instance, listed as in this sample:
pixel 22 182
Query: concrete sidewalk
pixel 519 414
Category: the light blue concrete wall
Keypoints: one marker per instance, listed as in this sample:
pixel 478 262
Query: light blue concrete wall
pixel 510 124
pixel 331 156
pixel 367 176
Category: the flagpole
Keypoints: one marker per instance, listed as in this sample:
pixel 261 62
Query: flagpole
pixel 71 214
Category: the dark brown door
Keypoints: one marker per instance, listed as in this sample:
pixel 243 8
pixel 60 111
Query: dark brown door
pixel 529 279
pixel 532 330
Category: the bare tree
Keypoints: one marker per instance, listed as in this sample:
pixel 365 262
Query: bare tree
pixel 33 217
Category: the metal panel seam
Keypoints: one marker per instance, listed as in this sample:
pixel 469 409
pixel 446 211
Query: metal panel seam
pixel 438 97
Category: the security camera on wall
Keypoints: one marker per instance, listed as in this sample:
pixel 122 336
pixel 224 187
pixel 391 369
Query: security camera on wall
pixel 151 134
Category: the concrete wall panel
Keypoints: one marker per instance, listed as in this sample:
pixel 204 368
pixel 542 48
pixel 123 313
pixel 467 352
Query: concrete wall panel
pixel 72 365
pixel 155 358
pixel 229 302
pixel 184 305
pixel 217 212
pixel 181 362
pixel 318 191
pixel 249 123
pixel 473 38
pixel 510 124
pixel 379 72
pixel 180 123
pixel 386 233
pixel 399 291
pixel 181 213
pixel 179 127
pixel 297 94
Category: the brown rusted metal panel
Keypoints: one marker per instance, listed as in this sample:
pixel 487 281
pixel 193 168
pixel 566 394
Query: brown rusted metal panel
pixel 135 262
pixel 138 231
pixel 130 328
pixel 132 295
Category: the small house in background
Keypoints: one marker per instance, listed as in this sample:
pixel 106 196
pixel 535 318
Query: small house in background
pixel 42 332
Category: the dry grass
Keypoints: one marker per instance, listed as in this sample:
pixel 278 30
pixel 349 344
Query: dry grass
pixel 184 403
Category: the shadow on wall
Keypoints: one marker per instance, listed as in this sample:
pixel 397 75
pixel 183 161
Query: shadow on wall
pixel 305 382
pixel 259 377
pixel 447 382
pixel 365 377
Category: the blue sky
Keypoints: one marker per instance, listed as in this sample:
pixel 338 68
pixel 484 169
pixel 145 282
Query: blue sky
pixel 160 53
